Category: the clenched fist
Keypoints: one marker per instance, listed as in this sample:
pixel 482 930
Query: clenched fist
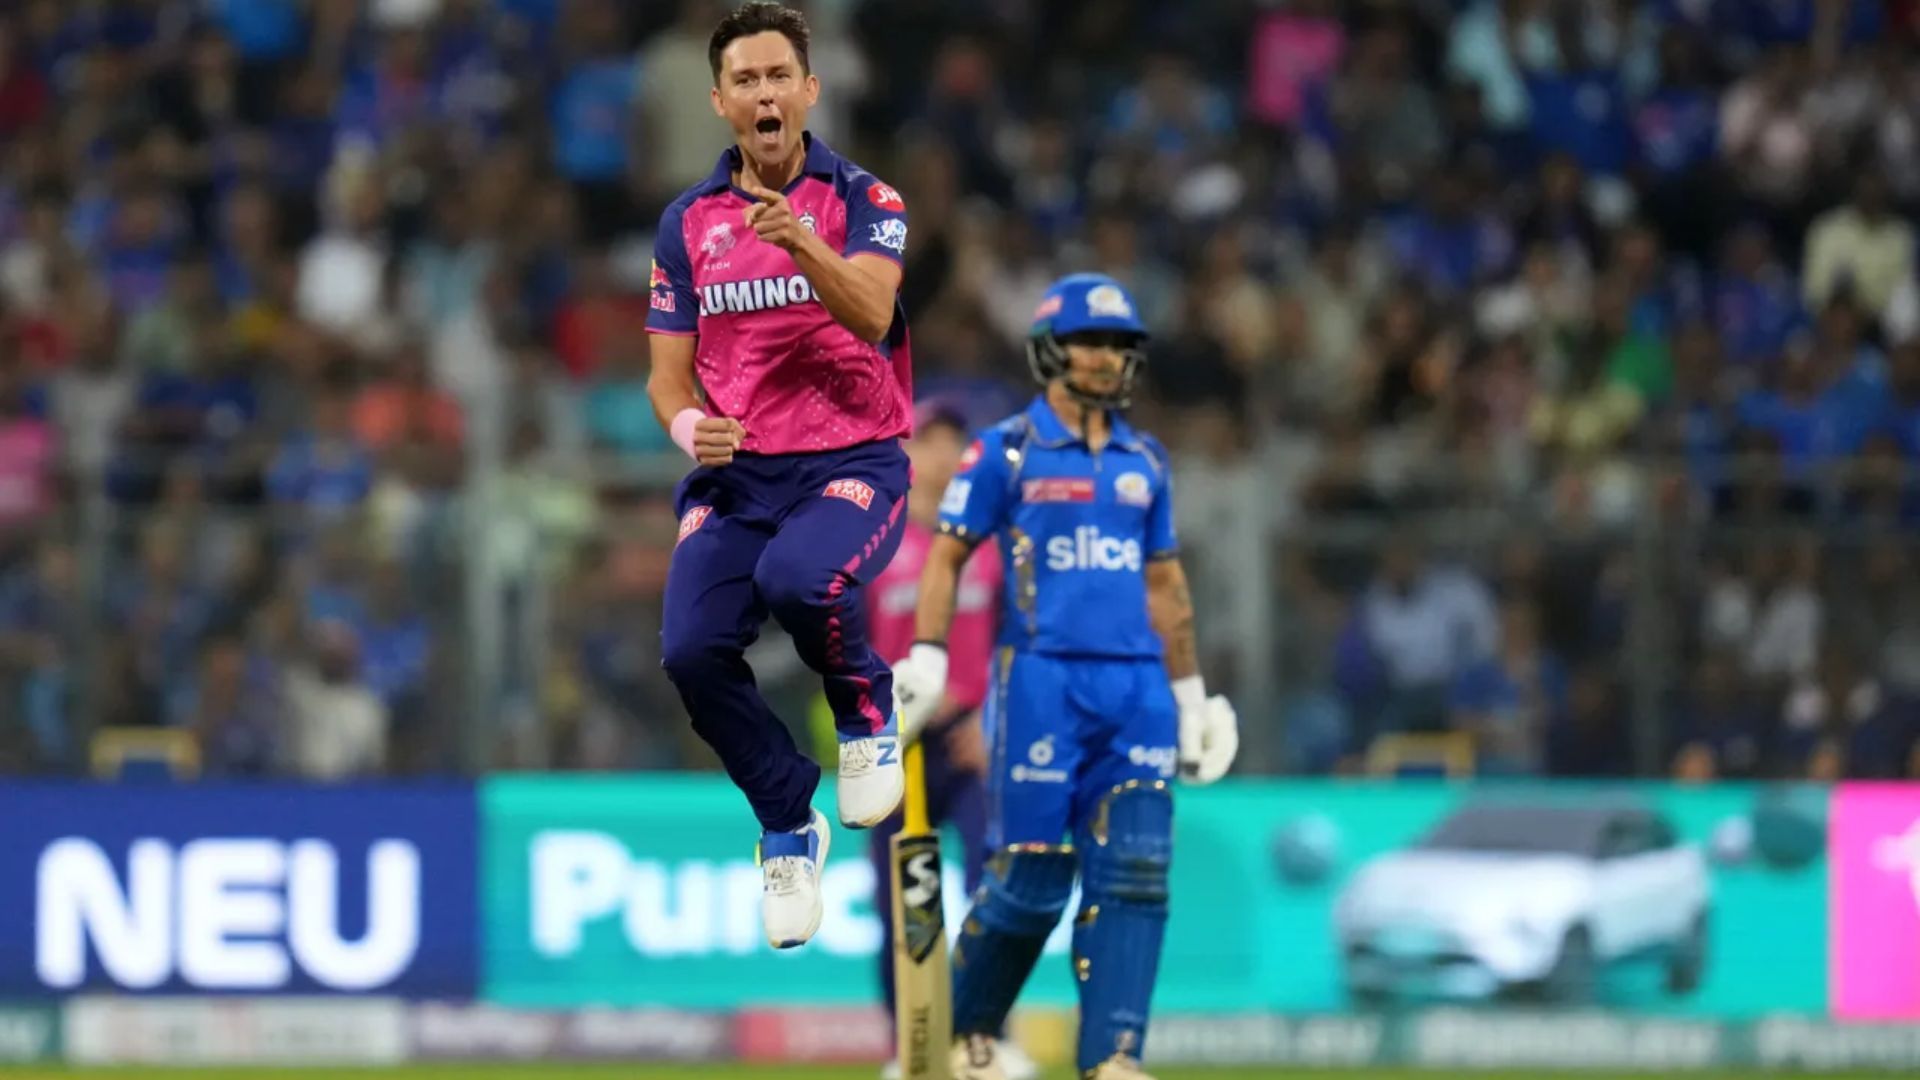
pixel 715 438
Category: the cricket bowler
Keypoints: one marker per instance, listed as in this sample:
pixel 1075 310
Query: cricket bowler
pixel 955 751
pixel 1096 698
pixel 780 365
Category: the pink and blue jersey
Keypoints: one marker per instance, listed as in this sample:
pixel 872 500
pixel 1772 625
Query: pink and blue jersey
pixel 769 354
pixel 976 611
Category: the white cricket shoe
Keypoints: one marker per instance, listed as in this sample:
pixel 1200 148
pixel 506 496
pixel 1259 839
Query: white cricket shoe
pixel 976 1057
pixel 891 1070
pixel 1120 1067
pixel 1015 1062
pixel 872 781
pixel 790 873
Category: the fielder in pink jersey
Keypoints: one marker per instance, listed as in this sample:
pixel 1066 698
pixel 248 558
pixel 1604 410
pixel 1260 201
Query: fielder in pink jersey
pixel 780 364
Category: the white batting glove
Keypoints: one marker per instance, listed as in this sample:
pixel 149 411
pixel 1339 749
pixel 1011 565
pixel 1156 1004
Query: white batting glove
pixel 1209 732
pixel 919 682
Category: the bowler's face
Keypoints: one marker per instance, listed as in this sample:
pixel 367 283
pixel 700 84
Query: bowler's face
pixel 765 94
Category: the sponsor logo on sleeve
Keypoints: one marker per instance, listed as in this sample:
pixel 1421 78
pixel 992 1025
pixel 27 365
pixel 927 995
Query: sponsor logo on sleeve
pixel 690 523
pixel 971 454
pixel 957 494
pixel 660 289
pixel 890 234
pixel 1133 489
pixel 886 198
pixel 854 491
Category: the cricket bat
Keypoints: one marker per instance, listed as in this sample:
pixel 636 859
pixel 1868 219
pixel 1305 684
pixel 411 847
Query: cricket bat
pixel 923 1011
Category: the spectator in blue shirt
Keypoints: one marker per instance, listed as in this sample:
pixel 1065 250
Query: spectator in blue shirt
pixel 1721 733
pixel 232 713
pixel 396 646
pixel 1448 245
pixel 1510 700
pixel 141 245
pixel 595 120
pixel 304 130
pixel 1817 412
pixel 42 619
pixel 1756 301
pixel 1677 126
pixel 1583 112
pixel 1676 132
pixel 262 30
pixel 323 469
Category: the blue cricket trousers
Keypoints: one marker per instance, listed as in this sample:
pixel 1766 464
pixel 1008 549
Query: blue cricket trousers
pixel 794 536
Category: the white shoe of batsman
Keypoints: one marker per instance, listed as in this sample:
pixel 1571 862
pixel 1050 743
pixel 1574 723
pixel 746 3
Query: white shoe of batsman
pixel 790 864
pixel 976 1057
pixel 1120 1067
pixel 1015 1063
pixel 872 782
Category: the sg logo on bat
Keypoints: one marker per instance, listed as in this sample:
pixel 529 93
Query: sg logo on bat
pixel 925 922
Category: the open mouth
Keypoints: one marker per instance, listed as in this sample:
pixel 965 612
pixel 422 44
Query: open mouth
pixel 768 127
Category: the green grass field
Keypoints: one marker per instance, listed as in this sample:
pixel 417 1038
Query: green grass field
pixel 784 1073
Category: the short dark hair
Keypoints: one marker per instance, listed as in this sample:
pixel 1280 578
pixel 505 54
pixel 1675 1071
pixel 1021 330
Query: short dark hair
pixel 758 17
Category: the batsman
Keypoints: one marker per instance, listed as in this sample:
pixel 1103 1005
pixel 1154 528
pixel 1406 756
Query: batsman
pixel 1096 700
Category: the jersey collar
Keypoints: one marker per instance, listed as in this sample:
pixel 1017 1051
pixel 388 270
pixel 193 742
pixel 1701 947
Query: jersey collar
pixel 1049 431
pixel 821 161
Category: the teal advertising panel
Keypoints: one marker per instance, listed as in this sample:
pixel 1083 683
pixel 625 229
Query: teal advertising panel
pixel 1290 897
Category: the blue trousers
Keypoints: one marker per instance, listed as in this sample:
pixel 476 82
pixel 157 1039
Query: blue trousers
pixel 794 537
pixel 1062 732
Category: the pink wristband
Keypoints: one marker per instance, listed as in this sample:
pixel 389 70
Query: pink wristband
pixel 682 429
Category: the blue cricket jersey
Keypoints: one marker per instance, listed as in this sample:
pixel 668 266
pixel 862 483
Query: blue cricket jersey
pixel 1077 529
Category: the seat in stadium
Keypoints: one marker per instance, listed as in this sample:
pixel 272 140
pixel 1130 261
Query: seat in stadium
pixel 1421 754
pixel 142 753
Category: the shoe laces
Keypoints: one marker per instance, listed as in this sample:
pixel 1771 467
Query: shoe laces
pixel 787 874
pixel 858 755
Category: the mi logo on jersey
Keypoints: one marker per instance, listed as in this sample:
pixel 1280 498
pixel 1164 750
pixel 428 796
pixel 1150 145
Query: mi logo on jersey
pixel 854 491
pixel 1133 489
pixel 755 294
pixel 1087 549
pixel 925 922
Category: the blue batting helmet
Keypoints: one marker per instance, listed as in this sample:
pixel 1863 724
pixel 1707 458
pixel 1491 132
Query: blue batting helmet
pixel 1087 306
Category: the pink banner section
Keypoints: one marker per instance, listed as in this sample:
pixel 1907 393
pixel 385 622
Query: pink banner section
pixel 1874 840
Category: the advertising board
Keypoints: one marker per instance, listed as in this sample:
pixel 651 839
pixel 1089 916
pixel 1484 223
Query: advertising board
pixel 254 890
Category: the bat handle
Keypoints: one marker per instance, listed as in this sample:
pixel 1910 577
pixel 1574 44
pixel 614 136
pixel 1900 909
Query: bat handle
pixel 917 823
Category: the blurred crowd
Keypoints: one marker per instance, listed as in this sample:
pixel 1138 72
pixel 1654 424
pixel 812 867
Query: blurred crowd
pixel 324 438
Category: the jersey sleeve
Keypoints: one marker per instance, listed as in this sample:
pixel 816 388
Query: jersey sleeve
pixel 673 307
pixel 876 220
pixel 1163 542
pixel 975 503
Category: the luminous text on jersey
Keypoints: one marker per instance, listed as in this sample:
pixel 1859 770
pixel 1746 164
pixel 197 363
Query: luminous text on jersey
pixel 755 294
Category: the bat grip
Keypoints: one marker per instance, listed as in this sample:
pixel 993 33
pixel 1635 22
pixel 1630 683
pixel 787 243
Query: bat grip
pixel 917 823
